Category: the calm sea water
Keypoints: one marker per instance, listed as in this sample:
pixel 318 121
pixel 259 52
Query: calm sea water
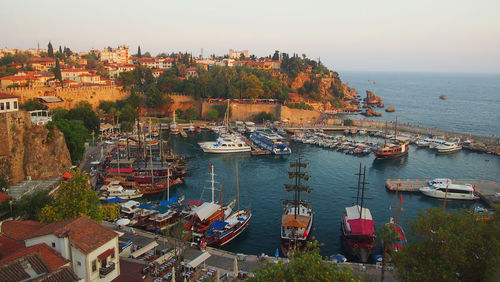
pixel 472 106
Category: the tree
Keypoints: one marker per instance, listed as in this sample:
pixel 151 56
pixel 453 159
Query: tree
pixel 60 50
pixel 453 246
pixel 50 50
pixel 73 199
pixel 387 236
pixel 33 105
pixel 4 183
pixel 75 134
pixel 57 71
pixel 83 111
pixel 30 206
pixel 276 55
pixel 304 266
pixel 139 51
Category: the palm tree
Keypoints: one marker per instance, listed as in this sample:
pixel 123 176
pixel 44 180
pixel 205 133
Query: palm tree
pixel 387 236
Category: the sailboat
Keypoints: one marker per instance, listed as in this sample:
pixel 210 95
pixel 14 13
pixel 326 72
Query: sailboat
pixel 204 215
pixel 174 128
pixel 391 150
pixel 297 220
pixel 222 232
pixel 358 226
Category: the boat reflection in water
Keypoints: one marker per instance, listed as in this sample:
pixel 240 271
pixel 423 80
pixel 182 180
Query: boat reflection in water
pixel 384 164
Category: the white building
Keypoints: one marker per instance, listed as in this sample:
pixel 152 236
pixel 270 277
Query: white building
pixel 8 103
pixel 119 55
pixel 91 248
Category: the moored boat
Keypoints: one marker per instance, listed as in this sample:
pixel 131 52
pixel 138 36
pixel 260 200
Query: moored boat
pixel 115 190
pixel 358 226
pixel 297 221
pixel 445 189
pixel 271 141
pixel 226 143
pixel 448 147
pixel 390 150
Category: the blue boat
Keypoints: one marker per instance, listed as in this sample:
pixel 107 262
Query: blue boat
pixel 271 141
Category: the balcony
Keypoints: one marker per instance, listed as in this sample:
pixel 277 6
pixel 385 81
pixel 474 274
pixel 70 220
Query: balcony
pixel 104 271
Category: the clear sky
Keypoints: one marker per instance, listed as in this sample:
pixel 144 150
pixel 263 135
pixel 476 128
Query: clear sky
pixel 403 35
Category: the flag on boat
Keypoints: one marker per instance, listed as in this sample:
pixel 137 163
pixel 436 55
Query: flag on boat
pixel 401 198
pixel 277 254
pixel 305 233
pixel 210 166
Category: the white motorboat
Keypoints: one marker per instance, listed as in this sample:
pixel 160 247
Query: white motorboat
pixel 191 127
pixel 250 126
pixel 445 188
pixel 174 128
pixel 115 190
pixel 434 143
pixel 448 147
pixel 423 142
pixel 226 143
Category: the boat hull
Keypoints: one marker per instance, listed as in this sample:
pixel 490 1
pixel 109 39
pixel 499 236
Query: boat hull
pixel 219 242
pixel 449 196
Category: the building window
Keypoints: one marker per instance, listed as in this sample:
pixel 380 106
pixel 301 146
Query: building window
pixel 94 265
pixel 15 104
pixel 53 245
pixel 113 254
pixel 2 106
pixel 79 263
pixel 7 105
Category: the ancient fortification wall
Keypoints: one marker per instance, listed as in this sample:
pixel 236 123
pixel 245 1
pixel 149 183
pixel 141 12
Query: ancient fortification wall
pixel 70 96
pixel 298 115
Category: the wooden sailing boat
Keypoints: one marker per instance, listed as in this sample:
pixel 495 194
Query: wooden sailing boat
pixel 358 226
pixel 297 220
pixel 391 150
pixel 222 232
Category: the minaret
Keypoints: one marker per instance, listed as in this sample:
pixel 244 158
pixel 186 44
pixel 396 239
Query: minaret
pixel 38 49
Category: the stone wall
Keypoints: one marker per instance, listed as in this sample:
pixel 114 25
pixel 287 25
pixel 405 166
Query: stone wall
pixel 243 111
pixel 70 96
pixel 27 151
pixel 298 115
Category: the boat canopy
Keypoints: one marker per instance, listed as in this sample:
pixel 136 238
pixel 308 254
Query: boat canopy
pixel 145 206
pixel 194 203
pixel 122 170
pixel 218 225
pixel 167 203
pixel 289 220
pixel 361 226
pixel 206 210
pixel 144 249
pixel 353 213
pixel 114 200
pixel 198 260
pixel 161 209
pixel 129 204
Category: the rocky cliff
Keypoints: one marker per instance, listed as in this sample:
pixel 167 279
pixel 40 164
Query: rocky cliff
pixel 29 150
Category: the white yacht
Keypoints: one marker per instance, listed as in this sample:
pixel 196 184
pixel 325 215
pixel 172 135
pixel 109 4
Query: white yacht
pixel 250 126
pixel 445 188
pixel 226 143
pixel 423 142
pixel 448 147
pixel 434 143
pixel 240 126
pixel 115 190
pixel 174 128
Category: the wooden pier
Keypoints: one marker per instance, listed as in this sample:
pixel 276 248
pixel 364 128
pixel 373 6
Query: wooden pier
pixel 183 133
pixel 487 190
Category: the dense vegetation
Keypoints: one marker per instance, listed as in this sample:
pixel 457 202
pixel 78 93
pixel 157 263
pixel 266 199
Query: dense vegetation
pixel 77 125
pixel 125 112
pixel 75 198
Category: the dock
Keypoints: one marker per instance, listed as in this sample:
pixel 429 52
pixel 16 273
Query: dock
pixel 487 190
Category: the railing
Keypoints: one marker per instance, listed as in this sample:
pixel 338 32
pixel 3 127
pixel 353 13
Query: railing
pixel 104 271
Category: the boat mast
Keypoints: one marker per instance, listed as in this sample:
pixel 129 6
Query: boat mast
pixel 297 187
pixel 221 207
pixel 359 184
pixel 362 193
pixel 213 188
pixel 396 206
pixel 237 189
pixel 151 154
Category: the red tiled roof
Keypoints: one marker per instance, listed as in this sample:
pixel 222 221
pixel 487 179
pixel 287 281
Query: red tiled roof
pixel 51 257
pixel 85 234
pixel 9 246
pixel 41 60
pixel 3 196
pixel 20 230
pixel 7 96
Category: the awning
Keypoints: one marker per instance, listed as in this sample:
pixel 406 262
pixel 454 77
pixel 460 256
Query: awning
pixel 218 225
pixel 122 170
pixel 50 99
pixel 114 200
pixel 106 254
pixel 167 203
pixel 361 226
pixel 145 206
pixel 289 220
pixel 197 261
pixel 67 175
pixel 144 249
pixel 206 210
